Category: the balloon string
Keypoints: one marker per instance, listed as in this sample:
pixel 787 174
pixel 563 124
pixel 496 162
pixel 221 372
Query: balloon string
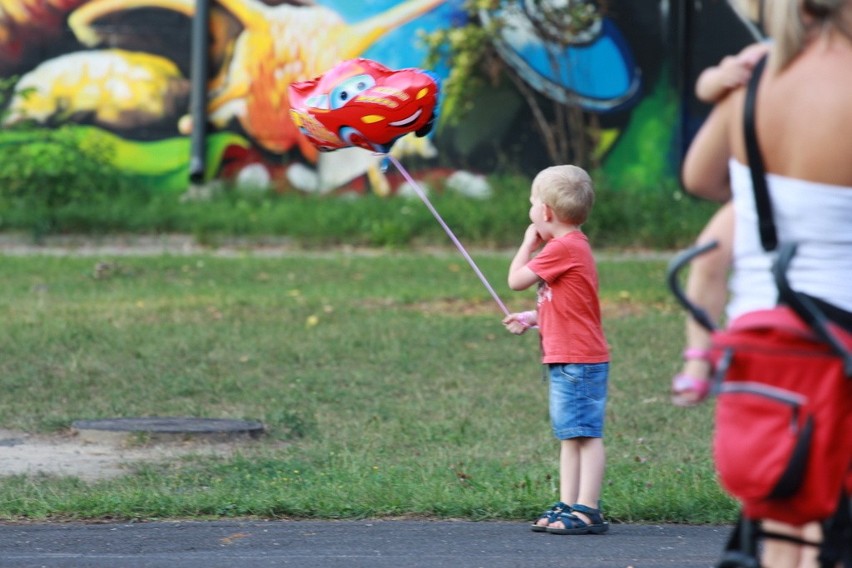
pixel 422 195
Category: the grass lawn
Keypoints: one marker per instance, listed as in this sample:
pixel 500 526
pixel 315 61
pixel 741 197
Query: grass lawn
pixel 385 380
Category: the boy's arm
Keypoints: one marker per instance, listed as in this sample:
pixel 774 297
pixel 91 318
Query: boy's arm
pixel 520 276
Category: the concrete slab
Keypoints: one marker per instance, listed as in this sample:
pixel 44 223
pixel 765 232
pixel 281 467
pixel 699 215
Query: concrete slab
pixel 155 428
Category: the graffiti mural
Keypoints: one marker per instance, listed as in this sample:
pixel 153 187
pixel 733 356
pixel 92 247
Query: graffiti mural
pixel 119 70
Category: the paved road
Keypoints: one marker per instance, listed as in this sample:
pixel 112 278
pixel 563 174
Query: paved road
pixel 352 544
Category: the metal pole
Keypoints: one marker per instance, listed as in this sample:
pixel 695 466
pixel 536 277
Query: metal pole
pixel 198 93
pixel 683 69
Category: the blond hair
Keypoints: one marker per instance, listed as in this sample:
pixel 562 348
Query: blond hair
pixel 789 23
pixel 567 190
pixel 749 9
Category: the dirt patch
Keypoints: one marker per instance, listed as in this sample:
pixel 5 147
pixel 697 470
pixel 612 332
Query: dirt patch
pixel 69 455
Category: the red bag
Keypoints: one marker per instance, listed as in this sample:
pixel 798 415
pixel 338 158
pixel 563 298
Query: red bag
pixel 783 438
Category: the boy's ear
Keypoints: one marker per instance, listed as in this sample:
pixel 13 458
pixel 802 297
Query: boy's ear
pixel 547 212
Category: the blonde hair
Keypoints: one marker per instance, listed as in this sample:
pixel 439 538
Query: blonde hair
pixel 749 9
pixel 567 190
pixel 788 23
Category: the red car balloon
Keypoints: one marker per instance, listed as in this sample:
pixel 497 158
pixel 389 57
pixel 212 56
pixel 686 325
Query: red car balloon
pixel 362 103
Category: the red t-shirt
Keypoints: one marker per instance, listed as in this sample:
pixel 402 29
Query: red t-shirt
pixel 569 312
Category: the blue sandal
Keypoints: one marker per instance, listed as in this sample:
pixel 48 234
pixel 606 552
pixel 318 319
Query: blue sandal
pixel 575 525
pixel 550 515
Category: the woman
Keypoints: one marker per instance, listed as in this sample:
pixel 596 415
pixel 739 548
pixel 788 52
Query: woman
pixel 804 121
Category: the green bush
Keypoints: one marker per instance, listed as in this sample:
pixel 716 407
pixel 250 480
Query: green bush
pixel 48 174
pixel 71 190
pixel 646 217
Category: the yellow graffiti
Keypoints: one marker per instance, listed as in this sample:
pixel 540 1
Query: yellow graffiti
pixel 119 88
pixel 277 46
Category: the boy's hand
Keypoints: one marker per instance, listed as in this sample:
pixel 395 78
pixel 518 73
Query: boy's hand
pixel 532 240
pixel 518 323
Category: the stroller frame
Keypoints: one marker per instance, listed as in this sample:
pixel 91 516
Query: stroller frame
pixel 742 549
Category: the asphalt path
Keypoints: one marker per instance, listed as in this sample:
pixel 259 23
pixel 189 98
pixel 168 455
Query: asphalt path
pixel 352 544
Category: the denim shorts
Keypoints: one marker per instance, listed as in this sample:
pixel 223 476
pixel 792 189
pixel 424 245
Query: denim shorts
pixel 578 399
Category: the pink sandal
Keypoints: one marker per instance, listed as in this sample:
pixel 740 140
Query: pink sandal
pixel 688 390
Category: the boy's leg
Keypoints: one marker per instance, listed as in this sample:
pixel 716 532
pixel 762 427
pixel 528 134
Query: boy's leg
pixel 577 407
pixel 569 470
pixel 592 465
pixel 581 470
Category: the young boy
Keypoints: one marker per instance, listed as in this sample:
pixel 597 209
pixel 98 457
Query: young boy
pixel 573 345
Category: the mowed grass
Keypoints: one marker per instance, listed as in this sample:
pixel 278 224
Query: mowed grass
pixel 385 381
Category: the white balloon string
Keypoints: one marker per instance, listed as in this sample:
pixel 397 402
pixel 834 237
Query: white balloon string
pixel 422 195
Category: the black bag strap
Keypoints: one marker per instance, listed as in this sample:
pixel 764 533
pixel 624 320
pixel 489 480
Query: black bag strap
pixel 812 310
pixel 766 224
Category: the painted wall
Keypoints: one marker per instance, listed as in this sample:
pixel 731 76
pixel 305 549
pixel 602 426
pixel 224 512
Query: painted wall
pixel 120 70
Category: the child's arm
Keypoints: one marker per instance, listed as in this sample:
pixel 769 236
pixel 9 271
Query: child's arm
pixel 732 72
pixel 520 276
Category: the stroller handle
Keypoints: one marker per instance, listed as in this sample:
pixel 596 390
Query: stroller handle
pixel 805 307
pixel 672 279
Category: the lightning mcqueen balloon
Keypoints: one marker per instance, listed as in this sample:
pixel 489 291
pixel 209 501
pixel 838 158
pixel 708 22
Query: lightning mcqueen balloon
pixel 362 103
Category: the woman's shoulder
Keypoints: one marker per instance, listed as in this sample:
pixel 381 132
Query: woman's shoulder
pixel 804 117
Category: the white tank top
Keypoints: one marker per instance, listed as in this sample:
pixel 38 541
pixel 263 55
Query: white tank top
pixel 818 216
